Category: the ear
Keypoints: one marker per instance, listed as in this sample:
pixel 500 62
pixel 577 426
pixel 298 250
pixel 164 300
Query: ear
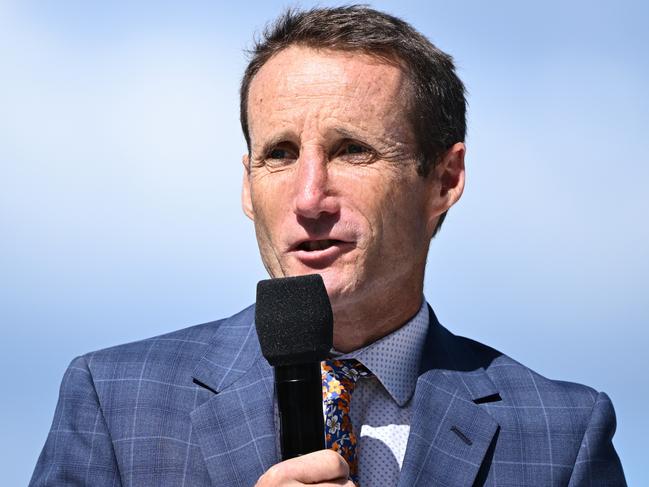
pixel 246 201
pixel 447 184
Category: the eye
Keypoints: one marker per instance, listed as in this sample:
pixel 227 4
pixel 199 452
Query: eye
pixel 280 155
pixel 352 148
pixel 355 153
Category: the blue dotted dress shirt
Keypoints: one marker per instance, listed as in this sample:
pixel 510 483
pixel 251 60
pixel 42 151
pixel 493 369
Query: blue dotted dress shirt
pixel 381 406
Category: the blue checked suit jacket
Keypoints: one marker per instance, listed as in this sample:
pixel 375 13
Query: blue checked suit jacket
pixel 195 407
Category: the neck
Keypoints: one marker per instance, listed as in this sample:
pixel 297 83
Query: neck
pixel 361 323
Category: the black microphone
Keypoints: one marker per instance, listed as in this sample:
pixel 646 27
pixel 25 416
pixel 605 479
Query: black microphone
pixel 295 327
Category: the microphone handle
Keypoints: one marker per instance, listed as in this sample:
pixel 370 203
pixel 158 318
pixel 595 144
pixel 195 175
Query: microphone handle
pixel 299 400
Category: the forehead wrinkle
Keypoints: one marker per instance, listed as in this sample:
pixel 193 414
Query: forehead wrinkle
pixel 337 96
pixel 312 80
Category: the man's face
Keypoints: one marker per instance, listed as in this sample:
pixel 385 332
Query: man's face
pixel 332 183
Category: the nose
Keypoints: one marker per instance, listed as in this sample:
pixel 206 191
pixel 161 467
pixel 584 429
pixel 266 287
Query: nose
pixel 313 191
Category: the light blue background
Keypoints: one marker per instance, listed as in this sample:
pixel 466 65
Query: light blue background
pixel 119 190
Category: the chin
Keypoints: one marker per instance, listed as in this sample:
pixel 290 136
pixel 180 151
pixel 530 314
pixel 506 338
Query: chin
pixel 339 287
pixel 339 284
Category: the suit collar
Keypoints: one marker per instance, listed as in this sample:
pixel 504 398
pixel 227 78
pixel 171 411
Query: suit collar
pixel 231 352
pixel 234 349
pixel 454 358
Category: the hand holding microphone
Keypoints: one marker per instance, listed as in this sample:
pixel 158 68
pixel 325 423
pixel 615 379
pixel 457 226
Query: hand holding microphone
pixel 323 468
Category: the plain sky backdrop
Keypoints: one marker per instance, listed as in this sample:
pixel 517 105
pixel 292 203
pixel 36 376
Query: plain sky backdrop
pixel 120 171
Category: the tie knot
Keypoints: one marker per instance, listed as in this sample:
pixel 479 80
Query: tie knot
pixel 348 370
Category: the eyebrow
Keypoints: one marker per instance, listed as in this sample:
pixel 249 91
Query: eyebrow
pixel 284 136
pixel 347 134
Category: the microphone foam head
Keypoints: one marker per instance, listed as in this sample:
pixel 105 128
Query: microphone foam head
pixel 294 320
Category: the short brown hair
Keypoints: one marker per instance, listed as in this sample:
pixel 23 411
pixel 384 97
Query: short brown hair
pixel 438 116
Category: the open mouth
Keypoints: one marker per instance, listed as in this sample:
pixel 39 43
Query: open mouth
pixel 313 245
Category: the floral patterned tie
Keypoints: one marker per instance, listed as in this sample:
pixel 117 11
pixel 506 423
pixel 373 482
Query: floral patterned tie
pixel 338 381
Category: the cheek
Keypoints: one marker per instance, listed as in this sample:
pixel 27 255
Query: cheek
pixel 269 207
pixel 266 227
pixel 400 223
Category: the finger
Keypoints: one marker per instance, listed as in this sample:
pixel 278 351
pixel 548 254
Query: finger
pixel 315 468
pixel 336 483
pixel 321 466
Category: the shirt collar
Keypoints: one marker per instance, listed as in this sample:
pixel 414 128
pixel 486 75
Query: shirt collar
pixel 394 359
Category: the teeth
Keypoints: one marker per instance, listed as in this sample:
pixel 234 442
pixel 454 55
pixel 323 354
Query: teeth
pixel 318 244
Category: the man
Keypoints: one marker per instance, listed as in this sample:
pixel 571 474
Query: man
pixel 355 128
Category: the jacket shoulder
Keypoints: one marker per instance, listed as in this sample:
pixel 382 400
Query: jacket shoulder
pixel 169 357
pixel 519 384
pixel 564 425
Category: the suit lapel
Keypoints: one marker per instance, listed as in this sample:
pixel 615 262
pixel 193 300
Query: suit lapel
pixel 450 434
pixel 235 427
